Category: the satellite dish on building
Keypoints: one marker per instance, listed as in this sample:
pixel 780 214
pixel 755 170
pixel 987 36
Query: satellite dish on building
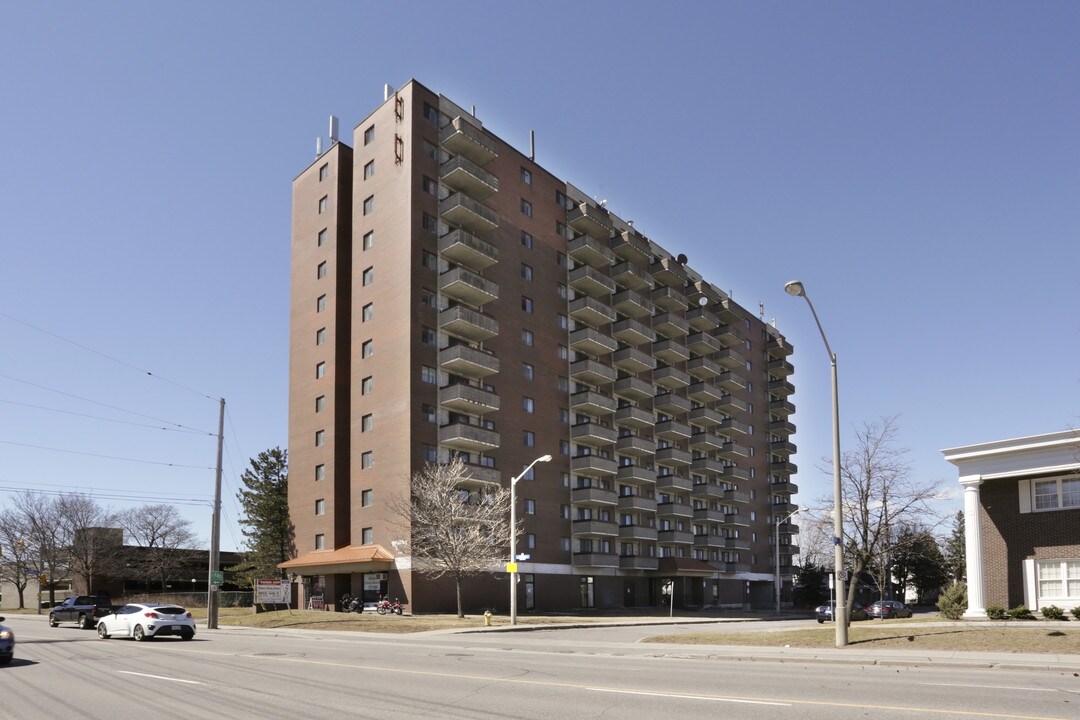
pixel 681 259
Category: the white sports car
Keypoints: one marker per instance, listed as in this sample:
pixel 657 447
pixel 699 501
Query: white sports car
pixel 145 621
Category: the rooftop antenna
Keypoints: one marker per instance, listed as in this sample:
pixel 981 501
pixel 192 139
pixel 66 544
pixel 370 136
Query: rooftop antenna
pixel 532 145
pixel 603 202
pixel 387 91
pixel 318 146
pixel 761 310
pixel 474 111
pixel 333 129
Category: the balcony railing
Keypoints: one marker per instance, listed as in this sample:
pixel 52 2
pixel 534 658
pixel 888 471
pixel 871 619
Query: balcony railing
pixel 670 351
pixel 461 137
pixel 468 361
pixel 592 372
pixel 632 360
pixel 633 388
pixel 670 325
pixel 635 446
pixel 632 304
pixel 468 438
pixel 632 332
pixel 629 245
pixel 461 173
pixel 591 311
pixel 462 248
pixel 592 282
pixel 668 298
pixel 671 378
pixel 467 323
pixel 592 342
pixel 468 399
pixel 631 276
pixel 587 218
pixel 590 251
pixel 466 286
pixel 459 210
pixel 634 417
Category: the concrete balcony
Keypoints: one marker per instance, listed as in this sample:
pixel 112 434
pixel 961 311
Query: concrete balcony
pixel 783 428
pixel 593 496
pixel 734 543
pixel 708 540
pixel 730 404
pixel 672 457
pixel 672 430
pixel 628 503
pixel 707 465
pixel 670 378
pixel 701 319
pixel 732 428
pixel 595 560
pixel 730 336
pixel 670 273
pixel 670 325
pixel 730 359
pixel 591 282
pixel 462 248
pixel 783 468
pixel 781 388
pixel 707 491
pixel 595 528
pixel 703 344
pixel 788 528
pixel 674 537
pixel 632 332
pixel 479 477
pixel 705 417
pixel 782 448
pixel 593 434
pixel 460 137
pixel 631 276
pixel 734 451
pixel 632 360
pixel 713 515
pixel 592 372
pixel 592 403
pixel 736 496
pixel 703 368
pixel 779 368
pixel 637 532
pixel 727 311
pixel 466 323
pixel 468 361
pixel 468 438
pixel 736 521
pixel 632 304
pixel 633 388
pixel 632 247
pixel 674 511
pixel 671 352
pixel 705 392
pixel 733 474
pixel 591 312
pixel 778 347
pixel 635 418
pixel 783 488
pixel 466 286
pixel 589 219
pixel 783 509
pixel 781 408
pixel 671 404
pixel 706 441
pixel 461 174
pixel 731 382
pixel 736 567
pixel 460 210
pixel 667 298
pixel 635 446
pixel 789 549
pixel 588 250
pixel 638 562
pixel 593 466
pixel 468 399
pixel 635 474
pixel 592 342
pixel 673 483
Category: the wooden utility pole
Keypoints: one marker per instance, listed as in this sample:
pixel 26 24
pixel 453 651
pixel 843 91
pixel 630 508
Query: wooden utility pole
pixel 215 531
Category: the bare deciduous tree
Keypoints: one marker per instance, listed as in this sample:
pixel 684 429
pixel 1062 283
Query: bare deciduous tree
pixel 167 537
pixel 45 534
pixel 450 529
pixel 93 543
pixel 17 554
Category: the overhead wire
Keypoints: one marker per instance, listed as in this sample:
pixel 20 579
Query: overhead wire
pixel 178 428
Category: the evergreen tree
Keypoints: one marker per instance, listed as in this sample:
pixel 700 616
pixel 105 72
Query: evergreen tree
pixel 266 524
pixel 955 553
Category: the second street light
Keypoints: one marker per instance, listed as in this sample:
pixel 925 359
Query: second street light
pixel 796 289
pixel 513 537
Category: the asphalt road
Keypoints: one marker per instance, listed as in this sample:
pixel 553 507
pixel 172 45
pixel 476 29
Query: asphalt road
pixel 552 674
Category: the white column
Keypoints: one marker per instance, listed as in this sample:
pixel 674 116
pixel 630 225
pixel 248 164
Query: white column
pixel 973 548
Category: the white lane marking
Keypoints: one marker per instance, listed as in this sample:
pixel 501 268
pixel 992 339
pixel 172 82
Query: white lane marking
pixel 991 687
pixel 688 697
pixel 160 677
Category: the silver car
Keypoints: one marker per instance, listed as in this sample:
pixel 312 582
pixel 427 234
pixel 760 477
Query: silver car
pixel 7 644
pixel 145 621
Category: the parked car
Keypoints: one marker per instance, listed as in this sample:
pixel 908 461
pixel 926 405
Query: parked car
pixel 145 621
pixel 7 644
pixel 825 612
pixel 886 609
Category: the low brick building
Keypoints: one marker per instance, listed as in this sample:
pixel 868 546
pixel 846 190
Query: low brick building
pixel 1022 521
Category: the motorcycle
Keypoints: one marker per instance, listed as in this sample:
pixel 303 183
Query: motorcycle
pixel 351 604
pixel 384 606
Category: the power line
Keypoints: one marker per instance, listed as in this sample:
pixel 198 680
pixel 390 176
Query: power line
pixel 179 428
pixel 107 457
pixel 108 494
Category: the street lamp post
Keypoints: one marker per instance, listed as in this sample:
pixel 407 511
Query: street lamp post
pixel 796 289
pixel 776 547
pixel 513 536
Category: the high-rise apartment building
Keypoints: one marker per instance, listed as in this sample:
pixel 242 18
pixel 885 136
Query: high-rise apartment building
pixel 451 296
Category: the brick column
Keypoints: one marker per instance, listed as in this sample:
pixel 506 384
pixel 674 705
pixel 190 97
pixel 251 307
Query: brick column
pixel 973 548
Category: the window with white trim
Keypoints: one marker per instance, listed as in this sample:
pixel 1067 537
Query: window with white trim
pixel 1058 579
pixel 1056 493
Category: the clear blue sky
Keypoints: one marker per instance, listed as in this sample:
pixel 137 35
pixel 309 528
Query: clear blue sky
pixel 916 165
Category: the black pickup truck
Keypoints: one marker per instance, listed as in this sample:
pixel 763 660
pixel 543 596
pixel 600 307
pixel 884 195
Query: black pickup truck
pixel 84 610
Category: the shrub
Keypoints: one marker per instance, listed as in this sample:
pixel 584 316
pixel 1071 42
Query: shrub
pixel 1021 612
pixel 996 612
pixel 1053 612
pixel 953 601
pixel 1076 612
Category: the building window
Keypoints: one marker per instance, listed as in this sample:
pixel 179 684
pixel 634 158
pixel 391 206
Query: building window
pixel 429 453
pixel 560 230
pixel 320 541
pixel 428 375
pixel 530 541
pixel 369 169
pixel 324 202
pixel 429 222
pixel 1058 579
pixel 320 336
pixel 1057 493
pixel 528 438
pixel 320 271
pixel 427 297
pixel 428 336
pixel 563 324
pixel 564 447
pixel 367 385
pixel 526 176
pixel 527 304
pixel 528 404
pixel 369 135
pixel 367 312
pixel 320 472
pixel 367 536
pixel 527 371
pixel 429 186
pixel 320 438
pixel 367 348
pixel 564 416
pixel 530 507
pixel 526 207
pixel 527 338
pixel 367 460
pixel 430 260
pixel 526 271
pixel 561 200
pixel 320 303
pixel 369 239
pixel 564 353
pixel 561 290
pixel 564 384
pixel 526 240
pixel 564 544
pixel 429 150
pixel 369 276
pixel 530 474
pixel 323 234
pixel 320 370
pixel 366 423
pixel 320 507
pixel 560 258
pixel 431 114
pixel 324 171
pixel 429 412
pixel 366 498
pixel 320 403
pixel 369 204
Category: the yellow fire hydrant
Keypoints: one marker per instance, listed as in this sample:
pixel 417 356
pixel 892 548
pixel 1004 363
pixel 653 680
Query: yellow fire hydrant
pixel 487 618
